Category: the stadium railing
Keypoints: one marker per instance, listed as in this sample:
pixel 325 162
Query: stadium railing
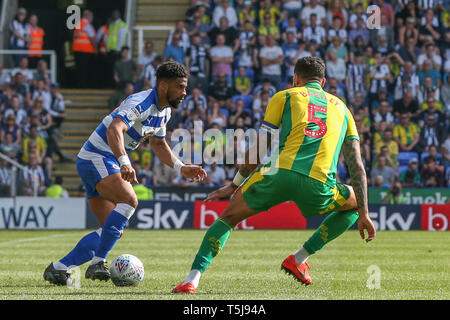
pixel 15 166
pixel 51 53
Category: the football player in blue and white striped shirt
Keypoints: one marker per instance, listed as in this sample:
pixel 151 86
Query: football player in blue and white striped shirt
pixel 107 174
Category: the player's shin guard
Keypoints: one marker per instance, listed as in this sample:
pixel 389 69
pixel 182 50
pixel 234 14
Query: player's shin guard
pixel 112 228
pixel 83 251
pixel 213 242
pixel 332 227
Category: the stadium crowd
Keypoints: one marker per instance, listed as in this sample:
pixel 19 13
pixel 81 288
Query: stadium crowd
pixel 391 68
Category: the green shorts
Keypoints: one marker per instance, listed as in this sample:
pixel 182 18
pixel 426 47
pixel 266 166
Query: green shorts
pixel 261 192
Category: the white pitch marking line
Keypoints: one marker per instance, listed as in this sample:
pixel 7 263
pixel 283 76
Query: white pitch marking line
pixel 13 242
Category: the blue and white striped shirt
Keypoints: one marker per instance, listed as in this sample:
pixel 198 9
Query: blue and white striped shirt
pixel 141 114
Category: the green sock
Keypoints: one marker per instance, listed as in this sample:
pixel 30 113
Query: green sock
pixel 213 242
pixel 332 227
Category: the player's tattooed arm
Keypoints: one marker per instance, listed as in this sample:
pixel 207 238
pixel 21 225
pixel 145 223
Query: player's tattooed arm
pixel 352 156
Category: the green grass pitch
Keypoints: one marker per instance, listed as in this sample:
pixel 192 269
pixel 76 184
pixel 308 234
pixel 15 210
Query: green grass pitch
pixel 413 265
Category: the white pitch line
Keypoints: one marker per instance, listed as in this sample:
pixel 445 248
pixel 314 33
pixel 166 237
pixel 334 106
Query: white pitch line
pixel 13 242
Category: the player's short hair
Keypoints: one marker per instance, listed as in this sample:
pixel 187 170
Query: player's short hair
pixel 171 70
pixel 310 68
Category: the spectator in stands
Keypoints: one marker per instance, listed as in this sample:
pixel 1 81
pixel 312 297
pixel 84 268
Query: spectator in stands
pixel 174 51
pixel 163 175
pixel 383 114
pixel 198 25
pixel 271 56
pixel 336 30
pixel 57 107
pixel 433 152
pixel 184 36
pixel 220 90
pixel 379 75
pixel 41 91
pixel 383 170
pixel 145 57
pixel 355 78
pixel 36 40
pixel 42 72
pixel 410 178
pixel 124 69
pixel 5 178
pixel 384 138
pixel 407 134
pixel 197 58
pixel 222 57
pixel 406 104
pixel 216 174
pixel 17 111
pixel 242 82
pixel 266 6
pixel 148 79
pixel 9 147
pixel 429 31
pixel 292 26
pixel 19 34
pixel 4 76
pixel 84 48
pixel 445 150
pixel 239 111
pixel 246 42
pixel 268 28
pixel 315 31
pixel 23 69
pixel 117 36
pixel 33 143
pixel 359 32
pixel 33 177
pixel 432 54
pixel 225 10
pixel 357 14
pixel 394 196
pixel 246 13
pixel 335 9
pixel 426 86
pixel 406 78
pixel 196 101
pixel 428 70
pixel 431 134
pixel 335 66
pixel 391 159
pixel 445 93
pixel 385 32
pixel 230 33
pixel 56 190
pixel 432 174
pixel 10 126
pixel 116 99
pixel 313 7
pixel 409 51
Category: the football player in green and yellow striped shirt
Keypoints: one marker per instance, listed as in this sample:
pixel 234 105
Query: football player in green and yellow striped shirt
pixel 313 126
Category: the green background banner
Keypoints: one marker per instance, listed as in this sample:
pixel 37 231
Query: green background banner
pixel 413 195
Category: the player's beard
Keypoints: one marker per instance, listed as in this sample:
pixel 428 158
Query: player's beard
pixel 175 103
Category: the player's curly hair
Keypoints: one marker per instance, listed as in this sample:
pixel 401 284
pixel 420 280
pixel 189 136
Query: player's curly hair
pixel 310 68
pixel 171 70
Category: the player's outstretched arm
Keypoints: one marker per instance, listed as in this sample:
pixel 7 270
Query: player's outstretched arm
pixel 352 156
pixel 114 134
pixel 244 171
pixel 165 154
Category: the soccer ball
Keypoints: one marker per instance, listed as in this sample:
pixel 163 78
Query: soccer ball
pixel 126 270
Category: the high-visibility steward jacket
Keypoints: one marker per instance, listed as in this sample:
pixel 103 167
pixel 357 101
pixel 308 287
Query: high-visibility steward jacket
pixel 55 191
pixel 113 35
pixel 102 47
pixel 36 41
pixel 81 41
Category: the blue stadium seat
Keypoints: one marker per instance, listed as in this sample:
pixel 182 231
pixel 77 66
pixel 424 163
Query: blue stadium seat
pixel 402 168
pixel 426 154
pixel 404 157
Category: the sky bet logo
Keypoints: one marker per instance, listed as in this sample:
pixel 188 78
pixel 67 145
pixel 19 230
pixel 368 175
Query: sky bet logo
pixel 435 217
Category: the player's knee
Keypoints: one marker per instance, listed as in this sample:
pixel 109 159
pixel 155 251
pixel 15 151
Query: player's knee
pixel 130 199
pixel 232 218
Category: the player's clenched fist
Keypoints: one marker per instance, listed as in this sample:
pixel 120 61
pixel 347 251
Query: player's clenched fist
pixel 196 173
pixel 128 174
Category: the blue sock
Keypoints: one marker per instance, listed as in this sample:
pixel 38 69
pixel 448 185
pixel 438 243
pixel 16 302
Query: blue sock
pixel 83 251
pixel 110 234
